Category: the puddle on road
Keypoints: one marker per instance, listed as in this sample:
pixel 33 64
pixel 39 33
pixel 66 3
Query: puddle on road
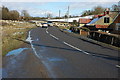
pixel 37 39
pixel 0 73
pixel 55 59
pixel 4 74
pixel 16 51
pixel 68 30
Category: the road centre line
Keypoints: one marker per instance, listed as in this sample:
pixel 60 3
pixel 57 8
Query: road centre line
pixel 54 36
pixel 68 44
pixel 75 48
pixel 46 31
pixel 118 66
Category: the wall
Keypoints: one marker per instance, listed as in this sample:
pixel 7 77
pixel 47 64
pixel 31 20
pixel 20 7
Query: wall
pixel 106 38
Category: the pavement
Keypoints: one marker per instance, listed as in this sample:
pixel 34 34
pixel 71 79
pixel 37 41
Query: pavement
pixel 64 56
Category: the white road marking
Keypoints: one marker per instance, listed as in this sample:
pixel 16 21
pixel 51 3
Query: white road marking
pixel 54 36
pixel 118 66
pixel 46 31
pixel 69 44
pixel 75 48
pixel 30 40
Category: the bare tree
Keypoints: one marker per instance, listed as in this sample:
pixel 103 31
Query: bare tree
pixel 25 13
pixel 49 15
pixel 115 8
pixel 98 10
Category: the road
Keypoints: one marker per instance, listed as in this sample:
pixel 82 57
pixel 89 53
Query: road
pixel 66 56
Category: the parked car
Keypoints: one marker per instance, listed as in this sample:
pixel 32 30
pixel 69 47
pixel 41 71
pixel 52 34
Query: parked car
pixel 44 25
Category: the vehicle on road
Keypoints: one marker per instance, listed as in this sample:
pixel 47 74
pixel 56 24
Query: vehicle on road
pixel 50 24
pixel 44 25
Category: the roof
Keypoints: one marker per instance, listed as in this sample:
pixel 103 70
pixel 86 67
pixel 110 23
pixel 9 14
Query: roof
pixel 113 14
pixel 84 21
pixel 71 19
pixel 94 20
pixel 117 19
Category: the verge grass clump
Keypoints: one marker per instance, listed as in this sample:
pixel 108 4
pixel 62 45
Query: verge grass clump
pixel 12 31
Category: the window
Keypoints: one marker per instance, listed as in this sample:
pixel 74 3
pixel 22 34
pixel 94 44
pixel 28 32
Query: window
pixel 118 26
pixel 106 20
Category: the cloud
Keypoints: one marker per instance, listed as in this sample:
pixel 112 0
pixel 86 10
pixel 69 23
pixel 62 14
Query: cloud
pixel 32 8
pixel 88 5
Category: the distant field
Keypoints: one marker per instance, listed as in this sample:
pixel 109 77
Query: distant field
pixel 14 29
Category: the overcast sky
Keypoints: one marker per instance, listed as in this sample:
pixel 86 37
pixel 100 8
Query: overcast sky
pixel 40 8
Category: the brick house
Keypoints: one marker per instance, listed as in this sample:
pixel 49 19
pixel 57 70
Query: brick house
pixel 115 26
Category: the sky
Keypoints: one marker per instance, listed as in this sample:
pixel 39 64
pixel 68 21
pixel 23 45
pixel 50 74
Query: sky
pixel 39 8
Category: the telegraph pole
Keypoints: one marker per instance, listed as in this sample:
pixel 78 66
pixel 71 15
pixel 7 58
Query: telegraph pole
pixel 59 13
pixel 68 14
pixel 68 11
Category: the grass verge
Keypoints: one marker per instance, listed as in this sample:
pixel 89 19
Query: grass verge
pixel 12 29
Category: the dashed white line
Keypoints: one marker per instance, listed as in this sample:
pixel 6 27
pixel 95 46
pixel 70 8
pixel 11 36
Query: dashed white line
pixel 47 32
pixel 67 43
pixel 75 48
pixel 47 29
pixel 118 66
pixel 54 36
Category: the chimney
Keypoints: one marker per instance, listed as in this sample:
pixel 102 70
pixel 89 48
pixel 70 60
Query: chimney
pixel 107 11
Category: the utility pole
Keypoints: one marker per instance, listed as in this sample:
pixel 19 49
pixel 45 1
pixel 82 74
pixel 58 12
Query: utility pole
pixel 59 13
pixel 68 12
pixel 68 15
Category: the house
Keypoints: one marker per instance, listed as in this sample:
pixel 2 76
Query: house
pixel 84 21
pixel 115 26
pixel 101 22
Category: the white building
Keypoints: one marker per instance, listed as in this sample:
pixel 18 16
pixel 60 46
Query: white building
pixel 71 19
